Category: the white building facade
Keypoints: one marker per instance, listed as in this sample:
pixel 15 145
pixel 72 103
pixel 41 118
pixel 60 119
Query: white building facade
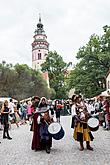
pixel 108 80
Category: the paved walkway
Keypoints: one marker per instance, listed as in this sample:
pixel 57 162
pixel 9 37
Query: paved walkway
pixel 64 152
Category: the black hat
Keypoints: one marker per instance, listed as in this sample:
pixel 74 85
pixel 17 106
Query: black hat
pixel 36 97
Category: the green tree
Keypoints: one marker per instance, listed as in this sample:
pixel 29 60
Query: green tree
pixel 21 82
pixel 30 82
pixel 56 68
pixel 94 62
pixel 7 78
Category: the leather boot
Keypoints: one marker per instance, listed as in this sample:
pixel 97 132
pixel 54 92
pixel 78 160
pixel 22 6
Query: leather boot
pixel 4 136
pixel 8 137
pixel 88 146
pixel 47 147
pixel 81 146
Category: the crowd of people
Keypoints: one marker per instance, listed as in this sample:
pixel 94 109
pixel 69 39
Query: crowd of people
pixel 24 112
pixel 84 110
pixel 40 113
pixel 100 107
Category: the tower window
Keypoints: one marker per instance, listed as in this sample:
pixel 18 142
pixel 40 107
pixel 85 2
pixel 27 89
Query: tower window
pixel 39 56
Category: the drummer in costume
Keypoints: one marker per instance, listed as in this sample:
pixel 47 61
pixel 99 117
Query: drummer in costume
pixel 80 115
pixel 44 120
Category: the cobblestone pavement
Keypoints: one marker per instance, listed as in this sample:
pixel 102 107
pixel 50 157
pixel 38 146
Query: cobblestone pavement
pixel 64 152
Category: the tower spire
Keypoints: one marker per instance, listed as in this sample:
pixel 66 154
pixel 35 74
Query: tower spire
pixel 39 17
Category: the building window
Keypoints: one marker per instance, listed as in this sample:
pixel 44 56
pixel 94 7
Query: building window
pixel 39 56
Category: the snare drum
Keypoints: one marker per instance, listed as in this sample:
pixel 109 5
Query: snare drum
pixel 93 124
pixel 56 131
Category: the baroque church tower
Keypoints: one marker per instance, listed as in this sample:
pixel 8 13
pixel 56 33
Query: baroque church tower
pixel 40 47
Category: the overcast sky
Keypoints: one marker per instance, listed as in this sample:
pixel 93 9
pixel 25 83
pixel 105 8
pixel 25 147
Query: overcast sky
pixel 68 25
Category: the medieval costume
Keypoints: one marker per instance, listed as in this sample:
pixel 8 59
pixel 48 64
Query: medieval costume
pixel 41 120
pixel 81 131
pixel 35 126
pixel 44 120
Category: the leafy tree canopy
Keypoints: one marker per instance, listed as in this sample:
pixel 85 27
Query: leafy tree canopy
pixel 94 62
pixel 56 68
pixel 21 82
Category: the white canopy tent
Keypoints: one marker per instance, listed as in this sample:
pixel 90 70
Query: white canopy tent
pixel 27 99
pixel 2 99
pixel 106 93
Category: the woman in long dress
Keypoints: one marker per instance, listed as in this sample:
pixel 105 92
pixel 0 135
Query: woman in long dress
pixel 35 126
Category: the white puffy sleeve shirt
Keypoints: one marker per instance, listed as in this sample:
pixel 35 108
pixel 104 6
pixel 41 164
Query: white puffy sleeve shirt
pixel 73 110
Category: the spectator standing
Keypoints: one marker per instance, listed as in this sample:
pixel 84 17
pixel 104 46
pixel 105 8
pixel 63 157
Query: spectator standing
pixel 106 107
pixel 58 108
pixel 12 108
pixel 24 112
pixel 90 107
pixel 5 112
pixel 29 112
